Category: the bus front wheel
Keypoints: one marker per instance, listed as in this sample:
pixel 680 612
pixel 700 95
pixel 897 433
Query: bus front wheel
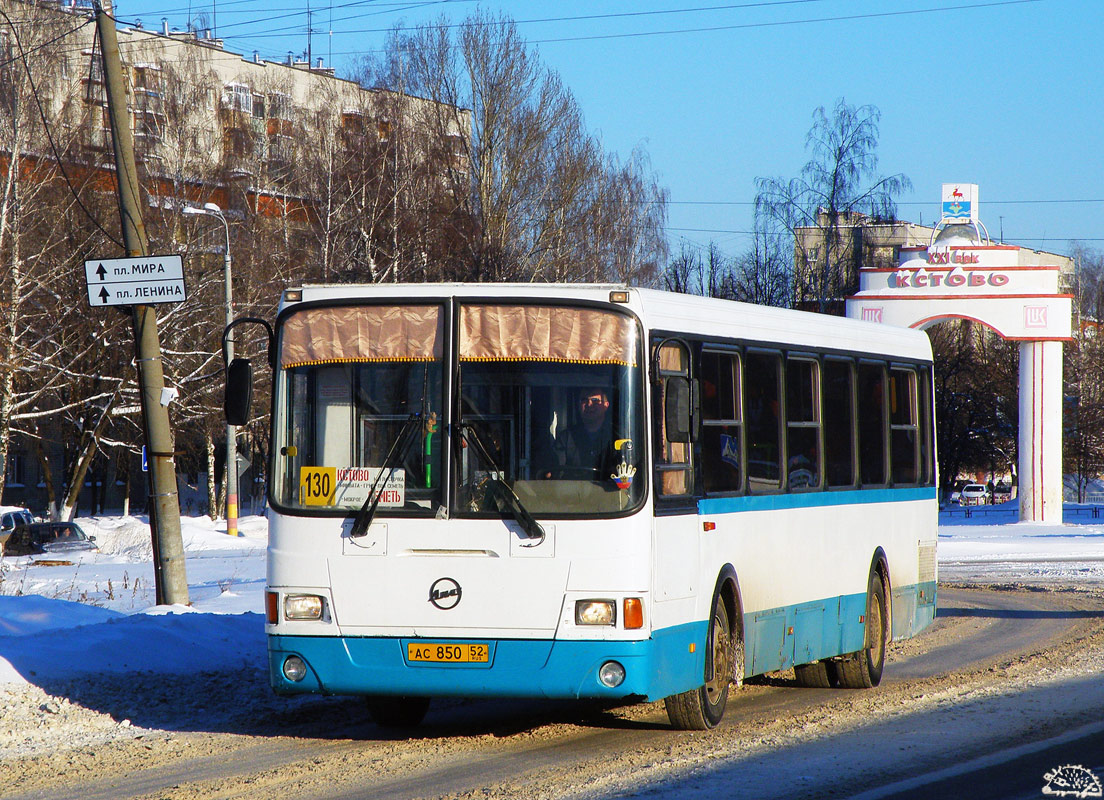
pixel 702 708
pixel 863 669
pixel 397 712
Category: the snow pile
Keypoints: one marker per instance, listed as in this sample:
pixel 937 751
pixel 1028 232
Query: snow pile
pixel 128 538
pixel 104 603
pixel 98 641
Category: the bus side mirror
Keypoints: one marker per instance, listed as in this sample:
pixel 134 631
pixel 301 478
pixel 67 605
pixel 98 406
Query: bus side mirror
pixel 239 391
pixel 676 409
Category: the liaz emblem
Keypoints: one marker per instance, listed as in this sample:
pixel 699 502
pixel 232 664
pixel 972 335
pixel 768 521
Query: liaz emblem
pixel 445 593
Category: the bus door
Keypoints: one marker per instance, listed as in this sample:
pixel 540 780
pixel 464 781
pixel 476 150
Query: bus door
pixel 677 532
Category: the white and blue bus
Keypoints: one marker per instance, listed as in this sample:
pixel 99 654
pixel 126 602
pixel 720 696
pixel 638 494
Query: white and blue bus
pixel 450 517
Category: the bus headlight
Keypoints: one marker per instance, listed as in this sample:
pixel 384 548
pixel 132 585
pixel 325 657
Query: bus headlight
pixel 303 606
pixel 295 669
pixel 595 612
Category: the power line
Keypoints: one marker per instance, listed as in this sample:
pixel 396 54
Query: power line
pixel 1041 239
pixel 667 32
pixel 293 12
pixel 580 17
pixel 903 203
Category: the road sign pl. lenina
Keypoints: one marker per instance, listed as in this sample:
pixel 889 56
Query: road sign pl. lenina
pixel 144 280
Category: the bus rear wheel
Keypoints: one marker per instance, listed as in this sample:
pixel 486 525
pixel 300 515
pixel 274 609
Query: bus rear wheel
pixel 702 708
pixel 398 712
pixel 818 675
pixel 863 669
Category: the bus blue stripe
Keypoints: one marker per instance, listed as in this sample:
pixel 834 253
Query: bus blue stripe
pixel 775 502
pixel 671 661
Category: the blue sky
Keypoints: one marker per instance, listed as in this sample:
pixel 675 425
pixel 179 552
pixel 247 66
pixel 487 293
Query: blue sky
pixel 1007 94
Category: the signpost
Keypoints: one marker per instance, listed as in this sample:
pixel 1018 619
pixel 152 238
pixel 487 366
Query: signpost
pixel 168 545
pixel 132 281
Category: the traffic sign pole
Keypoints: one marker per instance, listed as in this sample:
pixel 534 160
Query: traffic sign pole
pixel 168 545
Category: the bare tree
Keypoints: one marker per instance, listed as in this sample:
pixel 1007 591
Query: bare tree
pixel 709 275
pixel 976 380
pixel 1083 435
pixel 839 182
pixel 763 273
pixel 679 274
pixel 42 341
pixel 543 201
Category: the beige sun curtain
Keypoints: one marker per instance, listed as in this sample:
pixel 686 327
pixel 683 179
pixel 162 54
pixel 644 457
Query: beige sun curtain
pixel 358 334
pixel 546 333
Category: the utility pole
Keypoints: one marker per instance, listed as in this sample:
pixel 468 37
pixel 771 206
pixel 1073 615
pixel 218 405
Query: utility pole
pixel 164 505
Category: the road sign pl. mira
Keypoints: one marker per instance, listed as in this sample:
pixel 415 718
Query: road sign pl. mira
pixel 143 280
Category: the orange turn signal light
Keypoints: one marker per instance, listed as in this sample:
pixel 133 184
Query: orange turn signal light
pixel 272 607
pixel 634 613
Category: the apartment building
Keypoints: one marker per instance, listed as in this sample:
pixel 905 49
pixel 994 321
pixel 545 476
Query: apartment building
pixel 205 116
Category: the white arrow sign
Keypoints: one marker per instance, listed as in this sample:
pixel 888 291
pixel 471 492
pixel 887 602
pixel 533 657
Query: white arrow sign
pixel 135 281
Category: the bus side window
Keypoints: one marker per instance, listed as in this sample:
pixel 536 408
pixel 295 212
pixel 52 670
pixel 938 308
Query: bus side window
pixel 839 419
pixel 872 424
pixel 722 424
pixel 802 424
pixel 761 383
pixel 927 432
pixel 903 428
pixel 673 466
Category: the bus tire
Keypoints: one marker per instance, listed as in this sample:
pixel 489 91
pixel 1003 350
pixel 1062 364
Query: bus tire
pixel 863 669
pixel 702 708
pixel 398 712
pixel 818 675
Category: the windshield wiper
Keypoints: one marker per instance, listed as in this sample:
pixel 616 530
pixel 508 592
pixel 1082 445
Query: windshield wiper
pixel 505 500
pixel 395 456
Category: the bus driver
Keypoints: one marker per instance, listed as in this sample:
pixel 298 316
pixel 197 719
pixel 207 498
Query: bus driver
pixel 584 447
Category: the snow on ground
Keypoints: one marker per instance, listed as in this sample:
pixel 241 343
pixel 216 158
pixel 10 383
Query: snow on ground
pixel 992 546
pixel 97 616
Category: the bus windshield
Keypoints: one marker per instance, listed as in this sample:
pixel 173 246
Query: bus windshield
pixel 354 378
pixel 551 405
pixel 547 410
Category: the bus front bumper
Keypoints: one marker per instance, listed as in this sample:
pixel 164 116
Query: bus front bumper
pixel 672 661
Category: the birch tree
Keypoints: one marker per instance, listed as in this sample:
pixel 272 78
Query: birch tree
pixel 543 199
pixel 840 180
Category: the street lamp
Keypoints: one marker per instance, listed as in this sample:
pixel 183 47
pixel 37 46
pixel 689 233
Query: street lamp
pixel 212 210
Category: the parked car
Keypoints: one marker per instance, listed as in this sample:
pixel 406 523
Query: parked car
pixel 973 494
pixel 956 493
pixel 49 538
pixel 11 517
